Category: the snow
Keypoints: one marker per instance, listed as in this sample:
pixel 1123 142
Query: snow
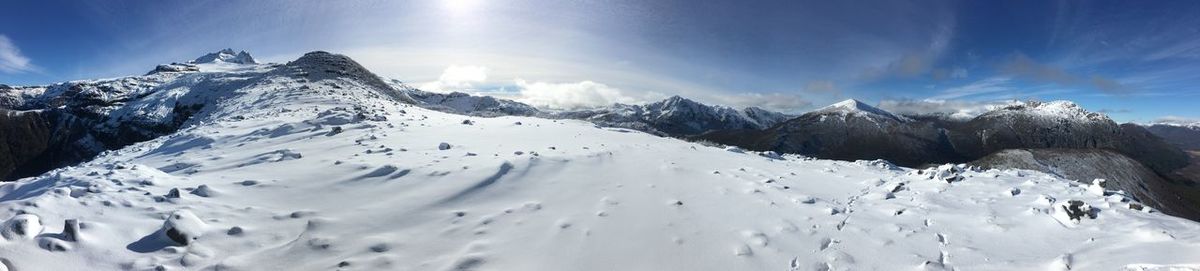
pixel 852 107
pixel 262 182
pixel 1052 110
pixel 1184 124
pixel 226 56
pixel 676 116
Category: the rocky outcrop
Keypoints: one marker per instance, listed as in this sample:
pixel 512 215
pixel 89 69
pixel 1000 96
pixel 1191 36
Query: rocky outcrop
pixel 321 65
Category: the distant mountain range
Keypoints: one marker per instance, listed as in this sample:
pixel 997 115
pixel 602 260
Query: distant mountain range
pixel 1185 136
pixel 61 124
pixel 1061 130
pixel 64 123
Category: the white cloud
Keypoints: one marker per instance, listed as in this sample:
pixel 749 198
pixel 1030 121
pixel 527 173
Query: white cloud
pixel 11 60
pixel 958 109
pixel 457 78
pixel 959 73
pixel 584 94
pixel 1177 120
pixel 985 86
pixel 780 102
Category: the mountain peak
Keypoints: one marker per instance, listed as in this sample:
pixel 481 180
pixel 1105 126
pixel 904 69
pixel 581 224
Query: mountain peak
pixel 677 100
pixel 1057 109
pixel 852 106
pixel 226 55
pixel 321 65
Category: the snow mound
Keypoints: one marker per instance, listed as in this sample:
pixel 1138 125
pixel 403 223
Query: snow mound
pixel 23 226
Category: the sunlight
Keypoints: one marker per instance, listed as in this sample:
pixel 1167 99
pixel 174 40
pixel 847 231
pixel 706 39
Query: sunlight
pixel 461 6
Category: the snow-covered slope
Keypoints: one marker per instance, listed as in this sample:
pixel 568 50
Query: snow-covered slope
pixel 85 117
pixel 855 108
pixel 1048 111
pixel 317 170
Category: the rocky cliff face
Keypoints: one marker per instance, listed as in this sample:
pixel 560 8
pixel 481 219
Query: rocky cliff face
pixel 24 136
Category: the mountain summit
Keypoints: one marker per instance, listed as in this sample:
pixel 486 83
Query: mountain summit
pixel 226 56
pixel 854 107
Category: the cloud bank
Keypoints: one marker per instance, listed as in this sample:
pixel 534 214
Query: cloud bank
pixel 11 59
pixel 1178 120
pixel 584 94
pixel 1024 67
pixel 460 78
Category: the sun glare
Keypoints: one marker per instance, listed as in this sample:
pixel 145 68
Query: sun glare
pixel 461 6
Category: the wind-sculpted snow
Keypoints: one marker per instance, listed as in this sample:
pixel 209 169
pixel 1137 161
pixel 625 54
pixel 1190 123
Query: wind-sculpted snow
pixel 259 182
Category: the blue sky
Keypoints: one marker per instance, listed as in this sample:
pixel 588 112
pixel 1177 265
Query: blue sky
pixel 1135 60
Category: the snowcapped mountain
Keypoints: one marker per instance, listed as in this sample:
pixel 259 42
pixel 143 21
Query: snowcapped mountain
pixel 1063 124
pixel 83 118
pixel 674 116
pixel 72 139
pixel 313 166
pixel 678 116
pixel 226 56
pixel 466 104
pixel 851 130
pixel 853 108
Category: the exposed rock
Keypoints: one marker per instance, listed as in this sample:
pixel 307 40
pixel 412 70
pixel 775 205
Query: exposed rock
pixel 71 230
pixel 183 227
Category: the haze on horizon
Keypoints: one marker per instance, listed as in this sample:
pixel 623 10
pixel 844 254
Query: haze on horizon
pixel 1135 61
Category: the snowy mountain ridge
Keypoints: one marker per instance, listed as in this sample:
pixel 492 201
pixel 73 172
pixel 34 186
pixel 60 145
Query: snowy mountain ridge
pixel 466 104
pixel 1193 125
pixel 674 116
pixel 226 56
pixel 1054 110
pixel 678 116
pixel 83 109
pixel 299 169
pixel 852 107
